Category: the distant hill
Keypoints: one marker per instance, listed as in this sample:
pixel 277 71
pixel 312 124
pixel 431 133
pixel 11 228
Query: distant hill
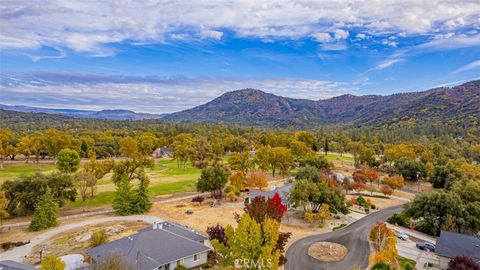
pixel 104 114
pixel 254 107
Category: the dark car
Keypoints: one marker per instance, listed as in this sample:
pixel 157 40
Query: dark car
pixel 426 246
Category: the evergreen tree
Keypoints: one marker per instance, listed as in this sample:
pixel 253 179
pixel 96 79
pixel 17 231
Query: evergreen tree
pixel 45 214
pixel 141 201
pixel 122 203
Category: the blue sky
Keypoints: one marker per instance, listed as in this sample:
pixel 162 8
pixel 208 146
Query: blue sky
pixel 164 56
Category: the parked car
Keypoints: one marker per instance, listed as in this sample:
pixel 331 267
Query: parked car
pixel 401 235
pixel 426 246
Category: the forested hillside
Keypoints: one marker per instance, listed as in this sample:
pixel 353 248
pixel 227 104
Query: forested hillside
pixel 459 105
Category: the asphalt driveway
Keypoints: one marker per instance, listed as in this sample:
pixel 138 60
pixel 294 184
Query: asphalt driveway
pixel 354 237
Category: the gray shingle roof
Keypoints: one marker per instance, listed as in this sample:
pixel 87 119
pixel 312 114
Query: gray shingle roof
pixel 149 248
pixel 451 244
pixel 12 265
pixel 282 192
pixel 179 230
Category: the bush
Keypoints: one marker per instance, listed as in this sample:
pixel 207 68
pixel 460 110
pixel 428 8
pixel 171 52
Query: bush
pixel 400 219
pixel 361 201
pixel 373 206
pixel 339 227
pixel 367 209
pixel 52 263
pixel 180 267
pixel 198 199
pixel 381 266
pixel 463 262
pixel 232 196
pixel 233 189
pixel 408 266
pixel 98 238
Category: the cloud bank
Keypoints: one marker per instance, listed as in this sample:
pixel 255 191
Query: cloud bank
pixel 150 94
pixel 93 26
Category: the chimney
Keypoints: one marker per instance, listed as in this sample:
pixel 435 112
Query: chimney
pixel 157 225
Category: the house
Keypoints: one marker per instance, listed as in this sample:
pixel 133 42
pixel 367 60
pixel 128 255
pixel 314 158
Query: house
pixel 12 265
pixel 162 152
pixel 162 246
pixel 451 244
pixel 282 192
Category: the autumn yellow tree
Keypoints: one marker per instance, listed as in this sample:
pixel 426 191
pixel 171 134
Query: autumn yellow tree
pixel 394 181
pixel 372 176
pixel 384 244
pixel 257 180
pixel 238 179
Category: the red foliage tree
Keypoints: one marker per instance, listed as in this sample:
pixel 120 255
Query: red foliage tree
pixel 281 242
pixel 386 190
pixel 463 262
pixel 260 209
pixel 275 208
pixel 359 176
pixel 359 186
pixel 217 232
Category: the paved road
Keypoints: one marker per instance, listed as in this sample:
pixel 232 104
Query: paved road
pixel 18 253
pixel 354 237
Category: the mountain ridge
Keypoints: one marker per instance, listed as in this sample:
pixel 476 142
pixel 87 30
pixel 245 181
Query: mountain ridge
pixel 258 108
pixel 253 106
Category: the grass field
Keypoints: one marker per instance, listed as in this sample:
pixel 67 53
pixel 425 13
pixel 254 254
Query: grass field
pixel 165 178
pixel 336 156
pixel 404 261
pixel 12 171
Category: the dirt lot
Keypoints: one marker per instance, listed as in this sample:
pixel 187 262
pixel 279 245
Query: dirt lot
pixel 77 241
pixel 18 234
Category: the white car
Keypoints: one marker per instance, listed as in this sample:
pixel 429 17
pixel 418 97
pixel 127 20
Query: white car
pixel 403 236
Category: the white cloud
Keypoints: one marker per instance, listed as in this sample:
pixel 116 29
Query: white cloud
pixel 341 34
pixel 152 94
pixel 387 63
pixel 322 37
pixel 90 26
pixel 469 66
pixel 361 36
pixel 211 34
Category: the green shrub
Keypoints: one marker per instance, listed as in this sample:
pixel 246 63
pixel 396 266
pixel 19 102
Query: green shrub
pixel 339 227
pixel 400 219
pixel 52 263
pixel 98 238
pixel 361 201
pixel 233 189
pixel 381 266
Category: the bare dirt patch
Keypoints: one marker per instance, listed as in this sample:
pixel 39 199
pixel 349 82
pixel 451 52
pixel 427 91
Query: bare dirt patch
pixel 327 251
pixel 77 241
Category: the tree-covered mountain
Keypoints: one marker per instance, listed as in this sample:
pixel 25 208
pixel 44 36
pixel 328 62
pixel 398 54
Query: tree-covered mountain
pixel 460 104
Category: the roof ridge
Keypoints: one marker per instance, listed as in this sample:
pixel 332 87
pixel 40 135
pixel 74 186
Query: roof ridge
pixel 198 243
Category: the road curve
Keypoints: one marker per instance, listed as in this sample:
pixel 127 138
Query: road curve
pixel 354 237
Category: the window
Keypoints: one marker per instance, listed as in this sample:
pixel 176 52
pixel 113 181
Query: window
pixel 195 257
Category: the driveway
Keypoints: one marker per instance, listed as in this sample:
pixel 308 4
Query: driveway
pixel 354 237
pixel 18 253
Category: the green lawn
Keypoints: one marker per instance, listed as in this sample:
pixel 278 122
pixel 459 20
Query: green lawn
pixel 403 261
pixel 336 156
pixel 12 171
pixel 165 178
